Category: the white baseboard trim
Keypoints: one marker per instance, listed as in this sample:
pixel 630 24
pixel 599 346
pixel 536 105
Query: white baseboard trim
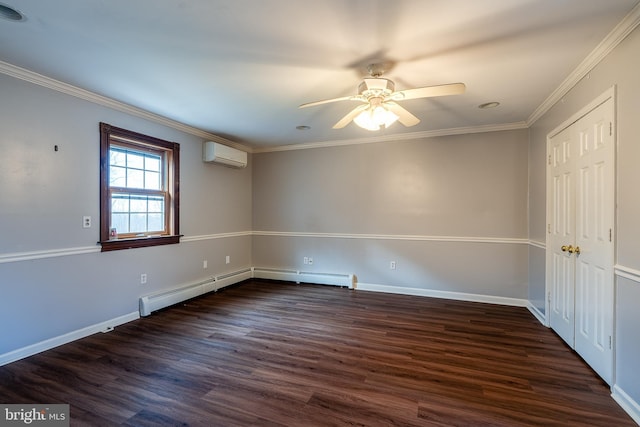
pixel 630 406
pixel 460 296
pixel 39 347
pixel 538 314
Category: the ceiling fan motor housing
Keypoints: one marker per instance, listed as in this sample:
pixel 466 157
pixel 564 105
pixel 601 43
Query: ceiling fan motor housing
pixel 376 87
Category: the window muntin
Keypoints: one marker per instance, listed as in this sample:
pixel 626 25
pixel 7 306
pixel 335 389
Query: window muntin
pixel 139 189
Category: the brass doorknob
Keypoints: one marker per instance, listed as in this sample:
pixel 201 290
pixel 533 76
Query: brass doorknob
pixel 570 249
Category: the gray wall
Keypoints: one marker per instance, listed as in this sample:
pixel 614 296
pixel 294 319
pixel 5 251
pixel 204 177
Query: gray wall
pixel 619 68
pixel 422 203
pixel 47 290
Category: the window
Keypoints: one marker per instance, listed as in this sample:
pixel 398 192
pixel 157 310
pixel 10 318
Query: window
pixel 139 190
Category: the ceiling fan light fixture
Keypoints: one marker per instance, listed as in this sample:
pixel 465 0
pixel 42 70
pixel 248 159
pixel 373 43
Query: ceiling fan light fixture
pixel 375 117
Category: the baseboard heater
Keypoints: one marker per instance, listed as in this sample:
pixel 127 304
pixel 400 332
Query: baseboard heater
pixel 347 280
pixel 157 301
pixel 153 302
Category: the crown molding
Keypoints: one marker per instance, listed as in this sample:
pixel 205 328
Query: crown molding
pixel 396 137
pixel 613 39
pixel 48 82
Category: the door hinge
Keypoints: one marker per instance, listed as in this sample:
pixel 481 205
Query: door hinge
pixel 610 128
pixel 549 297
pixel 610 342
pixel 610 235
pixel 548 228
pixel 549 160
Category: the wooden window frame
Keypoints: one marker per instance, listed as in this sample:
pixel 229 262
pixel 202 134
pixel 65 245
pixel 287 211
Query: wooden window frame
pixel 171 154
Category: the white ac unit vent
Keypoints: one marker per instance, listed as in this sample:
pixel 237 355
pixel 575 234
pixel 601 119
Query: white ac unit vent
pixel 223 154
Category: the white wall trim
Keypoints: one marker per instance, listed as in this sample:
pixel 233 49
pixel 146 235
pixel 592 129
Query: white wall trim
pixel 39 347
pixel 539 245
pixel 627 273
pixel 538 314
pixel 53 253
pixel 461 239
pixel 188 239
pixel 630 406
pixel 50 253
pixel 39 79
pixel 432 293
pixel 613 39
pixel 396 137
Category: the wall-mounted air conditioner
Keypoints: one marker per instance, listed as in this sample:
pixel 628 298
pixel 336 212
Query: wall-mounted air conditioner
pixel 223 154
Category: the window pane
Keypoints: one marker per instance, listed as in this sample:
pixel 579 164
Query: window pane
pixel 139 204
pixel 138 223
pixel 117 157
pixel 156 204
pixel 135 178
pixel 120 222
pixel 156 222
pixel 152 180
pixel 120 203
pixel 135 160
pixel 152 163
pixel 117 177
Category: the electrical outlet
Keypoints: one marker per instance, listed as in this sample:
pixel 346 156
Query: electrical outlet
pixel 143 278
pixel 86 221
pixel 227 259
pixel 205 264
pixel 305 260
pixel 392 265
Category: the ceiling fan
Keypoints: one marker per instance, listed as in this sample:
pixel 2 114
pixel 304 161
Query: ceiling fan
pixel 379 100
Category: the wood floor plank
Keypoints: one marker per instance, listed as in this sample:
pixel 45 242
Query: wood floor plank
pixel 268 353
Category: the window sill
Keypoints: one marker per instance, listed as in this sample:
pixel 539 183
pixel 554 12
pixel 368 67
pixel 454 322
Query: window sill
pixel 138 242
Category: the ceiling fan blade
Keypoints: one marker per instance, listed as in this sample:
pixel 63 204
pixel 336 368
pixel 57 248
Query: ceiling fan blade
pixel 350 116
pixel 327 101
pixel 429 91
pixel 404 117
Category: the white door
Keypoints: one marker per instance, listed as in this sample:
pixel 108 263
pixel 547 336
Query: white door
pixel 561 234
pixel 580 245
pixel 594 239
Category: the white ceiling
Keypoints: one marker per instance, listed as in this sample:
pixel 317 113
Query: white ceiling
pixel 240 68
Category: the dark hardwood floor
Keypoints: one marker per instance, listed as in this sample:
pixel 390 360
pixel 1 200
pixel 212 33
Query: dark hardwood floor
pixel 273 354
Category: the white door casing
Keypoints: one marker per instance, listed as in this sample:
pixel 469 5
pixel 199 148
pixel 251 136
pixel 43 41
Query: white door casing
pixel 580 221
